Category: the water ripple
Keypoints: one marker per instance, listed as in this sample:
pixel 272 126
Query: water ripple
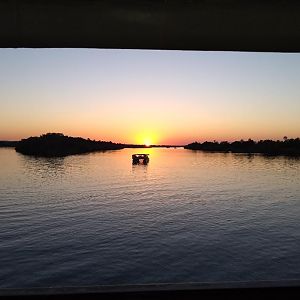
pixel 187 216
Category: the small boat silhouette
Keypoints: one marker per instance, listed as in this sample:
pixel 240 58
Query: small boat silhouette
pixel 137 158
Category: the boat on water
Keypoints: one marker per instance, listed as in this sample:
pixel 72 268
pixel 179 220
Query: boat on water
pixel 140 158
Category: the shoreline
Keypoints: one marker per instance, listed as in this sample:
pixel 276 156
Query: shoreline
pixel 287 147
pixel 59 145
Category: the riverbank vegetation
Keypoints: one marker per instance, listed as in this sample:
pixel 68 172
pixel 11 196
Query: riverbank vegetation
pixel 268 147
pixel 57 144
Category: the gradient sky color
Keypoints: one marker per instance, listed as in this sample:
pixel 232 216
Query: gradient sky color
pixel 144 96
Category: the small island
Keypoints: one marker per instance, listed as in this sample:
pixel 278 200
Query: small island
pixel 57 144
pixel 289 147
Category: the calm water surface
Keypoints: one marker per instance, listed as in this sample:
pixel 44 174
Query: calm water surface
pixel 187 216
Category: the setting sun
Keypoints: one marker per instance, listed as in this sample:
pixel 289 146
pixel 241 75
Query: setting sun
pixel 146 138
pixel 147 142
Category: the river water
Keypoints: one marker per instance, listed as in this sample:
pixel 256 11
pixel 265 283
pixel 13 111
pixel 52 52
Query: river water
pixel 187 216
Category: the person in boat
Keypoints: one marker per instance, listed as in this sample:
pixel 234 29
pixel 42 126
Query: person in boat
pixel 137 157
pixel 146 159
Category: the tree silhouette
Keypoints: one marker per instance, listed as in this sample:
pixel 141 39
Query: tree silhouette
pixel 57 144
pixel 268 147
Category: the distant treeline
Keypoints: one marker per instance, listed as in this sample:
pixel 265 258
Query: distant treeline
pixel 57 144
pixel 8 143
pixel 268 147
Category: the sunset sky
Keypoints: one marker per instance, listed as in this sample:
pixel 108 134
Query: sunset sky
pixel 143 96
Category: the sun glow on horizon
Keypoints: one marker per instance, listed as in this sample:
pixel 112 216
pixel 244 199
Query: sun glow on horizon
pixel 146 138
pixel 147 142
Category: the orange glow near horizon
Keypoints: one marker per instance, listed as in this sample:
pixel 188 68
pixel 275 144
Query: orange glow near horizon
pixel 159 135
pixel 148 142
pixel 147 138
